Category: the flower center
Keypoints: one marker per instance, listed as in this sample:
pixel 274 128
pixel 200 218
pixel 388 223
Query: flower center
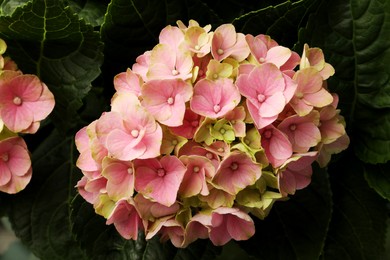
pixel 293 127
pixel 170 100
pixel 134 133
pixel 197 47
pixel 221 150
pixel 268 134
pixel 299 95
pixel 234 166
pixel 262 60
pixel 4 157
pixel 200 72
pixel 175 72
pixel 220 51
pixel 174 142
pixel 260 98
pixel 161 172
pixel 196 169
pixel 17 101
pixel 209 156
pixel 130 171
pixel 247 141
pixel 195 123
pixel 215 76
pixel 222 131
pixel 217 108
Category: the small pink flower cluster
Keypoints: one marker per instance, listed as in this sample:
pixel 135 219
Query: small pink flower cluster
pixel 24 102
pixel 206 128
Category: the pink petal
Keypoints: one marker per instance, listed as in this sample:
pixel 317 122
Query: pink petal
pixel 5 174
pixel 278 55
pixel 320 98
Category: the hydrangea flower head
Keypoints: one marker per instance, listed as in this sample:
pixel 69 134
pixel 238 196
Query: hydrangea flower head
pixel 207 130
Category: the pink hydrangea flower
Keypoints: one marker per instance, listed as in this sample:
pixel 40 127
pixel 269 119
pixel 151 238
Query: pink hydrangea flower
pixel 230 223
pixel 314 57
pixel 126 219
pixel 128 82
pixel 236 172
pixel 141 66
pixel 169 63
pixel 129 131
pixel 275 54
pixel 199 169
pixel 326 150
pixel 159 180
pixel 309 92
pixel 302 132
pixel 120 178
pixel 296 173
pixel 227 43
pixel 24 102
pixel 214 99
pixel 85 161
pixel 169 229
pixel 267 91
pixel 276 145
pixel 15 165
pixel 90 189
pixel 165 100
pixel 150 211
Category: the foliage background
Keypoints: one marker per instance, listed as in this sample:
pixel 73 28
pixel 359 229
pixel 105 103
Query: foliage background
pixel 76 47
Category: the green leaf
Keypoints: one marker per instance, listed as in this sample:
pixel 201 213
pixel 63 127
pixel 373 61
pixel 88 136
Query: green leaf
pixel 46 38
pixel 358 226
pixel 91 11
pixel 354 37
pixel 281 22
pixel 378 178
pixel 295 229
pixel 7 7
pixel 40 215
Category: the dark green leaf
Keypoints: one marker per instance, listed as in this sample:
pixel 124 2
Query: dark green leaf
pixel 91 11
pixel 358 226
pixel 40 214
pixel 378 177
pixel 295 229
pixel 281 22
pixel 7 7
pixel 354 37
pixel 46 38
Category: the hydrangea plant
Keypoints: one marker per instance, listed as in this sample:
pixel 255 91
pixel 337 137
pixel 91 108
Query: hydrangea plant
pixel 260 130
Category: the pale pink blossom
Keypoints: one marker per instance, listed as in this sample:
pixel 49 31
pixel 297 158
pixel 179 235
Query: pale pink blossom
pixel 90 189
pixel 309 92
pixel 126 219
pixel 120 178
pixel 15 165
pixel 227 43
pixel 165 100
pixel 314 57
pixel 236 172
pixel 267 91
pixel 141 66
pixel 302 132
pixel 159 180
pixel 129 131
pixel 199 170
pixel 150 211
pixel 295 174
pixel 214 99
pixel 128 82
pixel 169 63
pixel 276 145
pixel 169 229
pixel 230 223
pixel 24 102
